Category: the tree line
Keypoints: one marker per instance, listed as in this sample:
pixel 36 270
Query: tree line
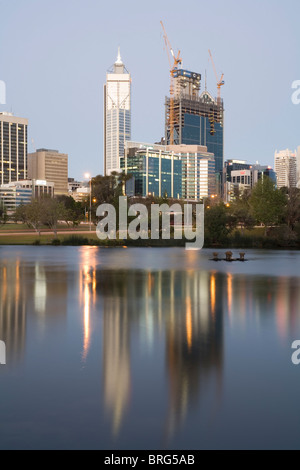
pixel 277 210
pixel 264 205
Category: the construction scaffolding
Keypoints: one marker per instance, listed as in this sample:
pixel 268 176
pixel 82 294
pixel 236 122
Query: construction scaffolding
pixel 183 104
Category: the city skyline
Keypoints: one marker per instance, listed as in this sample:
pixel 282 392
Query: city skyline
pixel 60 92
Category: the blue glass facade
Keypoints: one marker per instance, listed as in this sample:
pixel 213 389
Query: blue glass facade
pixel 153 174
pixel 197 131
pixel 197 120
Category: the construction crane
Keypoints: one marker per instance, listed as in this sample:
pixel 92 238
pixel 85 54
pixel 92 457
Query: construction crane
pixel 220 81
pixel 173 68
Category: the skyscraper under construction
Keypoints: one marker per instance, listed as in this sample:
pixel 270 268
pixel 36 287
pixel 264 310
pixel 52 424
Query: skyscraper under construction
pixel 192 118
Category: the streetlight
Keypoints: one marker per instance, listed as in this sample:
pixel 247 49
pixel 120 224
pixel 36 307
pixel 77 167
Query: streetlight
pixel 88 176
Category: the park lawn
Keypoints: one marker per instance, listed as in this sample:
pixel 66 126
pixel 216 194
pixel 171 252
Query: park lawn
pixel 33 238
pixel 23 227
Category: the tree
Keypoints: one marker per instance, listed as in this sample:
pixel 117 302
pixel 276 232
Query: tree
pixel 241 210
pixel 292 210
pixel 53 211
pixel 107 189
pixel 267 203
pixel 218 223
pixel 30 214
pixel 3 214
pixel 74 211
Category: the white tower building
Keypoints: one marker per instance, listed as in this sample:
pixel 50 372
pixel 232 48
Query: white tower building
pixel 285 168
pixel 298 166
pixel 117 115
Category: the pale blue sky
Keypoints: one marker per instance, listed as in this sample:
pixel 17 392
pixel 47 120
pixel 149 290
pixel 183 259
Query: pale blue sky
pixel 54 56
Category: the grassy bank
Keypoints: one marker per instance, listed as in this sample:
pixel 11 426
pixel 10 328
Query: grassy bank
pixel 276 239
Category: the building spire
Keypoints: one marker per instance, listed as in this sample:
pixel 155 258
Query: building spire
pixel 119 60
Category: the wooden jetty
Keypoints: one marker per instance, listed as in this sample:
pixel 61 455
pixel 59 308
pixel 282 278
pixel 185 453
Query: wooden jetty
pixel 228 257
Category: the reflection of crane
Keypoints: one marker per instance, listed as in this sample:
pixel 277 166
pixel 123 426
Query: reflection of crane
pixel 173 68
pixel 220 81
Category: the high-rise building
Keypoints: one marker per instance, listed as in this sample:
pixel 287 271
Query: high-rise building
pixel 286 168
pixel 198 171
pixel 298 166
pixel 13 148
pixel 238 175
pixel 196 120
pixel 117 115
pixel 155 170
pixel 49 165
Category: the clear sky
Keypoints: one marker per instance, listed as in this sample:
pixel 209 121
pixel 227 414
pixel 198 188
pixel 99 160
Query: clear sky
pixel 54 56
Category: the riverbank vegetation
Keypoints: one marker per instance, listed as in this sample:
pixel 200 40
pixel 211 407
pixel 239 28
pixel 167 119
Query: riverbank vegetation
pixel 265 217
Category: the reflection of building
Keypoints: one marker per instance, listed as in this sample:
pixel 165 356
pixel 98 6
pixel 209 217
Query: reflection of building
pixel 49 165
pixel 48 298
pixel 194 340
pixel 13 148
pixel 12 308
pixel 186 307
pixel 117 115
pixel 87 293
pixel 116 344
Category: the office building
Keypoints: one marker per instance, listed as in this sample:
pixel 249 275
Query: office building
pixel 198 171
pixel 226 180
pixel 117 115
pixel 194 119
pixel 262 171
pixel 13 148
pixel 13 195
pixel 40 188
pixel 298 167
pixel 285 166
pixel 155 170
pixel 73 185
pixel 244 179
pixel 49 165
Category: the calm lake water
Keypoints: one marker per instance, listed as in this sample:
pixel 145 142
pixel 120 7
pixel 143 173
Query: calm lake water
pixel 143 348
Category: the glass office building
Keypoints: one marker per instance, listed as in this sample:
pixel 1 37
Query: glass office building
pixel 155 171
pixel 13 148
pixel 12 196
pixel 197 120
pixel 198 171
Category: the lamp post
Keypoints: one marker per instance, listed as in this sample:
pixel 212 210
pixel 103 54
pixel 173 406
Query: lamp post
pixel 88 176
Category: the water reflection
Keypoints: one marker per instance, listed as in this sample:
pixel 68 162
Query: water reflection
pixel 179 304
pixel 12 308
pixel 174 325
pixel 190 308
pixel 87 293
